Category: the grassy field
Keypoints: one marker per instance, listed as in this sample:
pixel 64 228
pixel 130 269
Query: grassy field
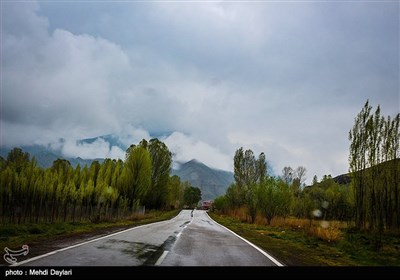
pixel 14 236
pixel 296 243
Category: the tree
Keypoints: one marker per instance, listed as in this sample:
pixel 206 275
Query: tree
pixel 315 180
pixel 261 169
pixel 239 169
pixel 248 171
pixel 161 159
pixel 287 175
pixel 251 202
pixel 175 192
pixel 295 186
pixel 61 167
pixel 304 205
pixel 138 175
pixel 3 163
pixel 250 168
pixel 94 171
pixel 272 200
pixel 192 195
pixel 233 197
pixel 298 180
pixel 17 159
pixel 374 168
pixel 300 174
pixel 220 204
pixel 357 161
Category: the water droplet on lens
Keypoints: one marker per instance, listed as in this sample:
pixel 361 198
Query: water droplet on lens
pixel 317 213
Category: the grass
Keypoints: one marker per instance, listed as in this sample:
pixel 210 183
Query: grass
pixel 14 236
pixel 295 242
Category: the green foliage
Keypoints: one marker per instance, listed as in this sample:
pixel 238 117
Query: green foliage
pixel 3 163
pixel 17 159
pixel 234 196
pixel 261 168
pixel 191 196
pixel 221 204
pixel 274 199
pixel 374 140
pixel 175 192
pixel 108 190
pixel 161 159
pixel 252 201
pixel 247 169
pixel 138 175
pixel 286 195
pixel 304 205
pixel 248 172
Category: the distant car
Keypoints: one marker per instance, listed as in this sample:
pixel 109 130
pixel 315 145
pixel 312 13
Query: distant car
pixel 206 204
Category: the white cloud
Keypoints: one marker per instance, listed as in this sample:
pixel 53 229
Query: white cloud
pixel 97 149
pixel 131 135
pixel 185 148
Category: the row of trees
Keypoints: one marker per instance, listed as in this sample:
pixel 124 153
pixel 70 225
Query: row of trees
pixel 374 166
pixel 109 190
pixel 285 195
pixel 370 197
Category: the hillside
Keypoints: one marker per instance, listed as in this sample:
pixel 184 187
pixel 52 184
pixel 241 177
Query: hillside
pixel 211 182
pixel 345 179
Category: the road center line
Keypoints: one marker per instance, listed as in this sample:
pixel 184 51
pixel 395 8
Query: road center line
pixel 161 258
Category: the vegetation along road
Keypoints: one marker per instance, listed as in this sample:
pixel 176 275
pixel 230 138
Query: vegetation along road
pixel 189 239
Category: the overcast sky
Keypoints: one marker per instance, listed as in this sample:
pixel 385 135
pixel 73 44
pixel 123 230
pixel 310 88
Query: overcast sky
pixel 284 78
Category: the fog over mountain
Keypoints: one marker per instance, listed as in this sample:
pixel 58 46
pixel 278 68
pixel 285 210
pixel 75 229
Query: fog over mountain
pixel 212 182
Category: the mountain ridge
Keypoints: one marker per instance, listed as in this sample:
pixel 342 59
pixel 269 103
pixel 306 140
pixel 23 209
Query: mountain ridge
pixel 344 179
pixel 212 182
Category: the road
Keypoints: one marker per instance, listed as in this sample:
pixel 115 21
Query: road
pixel 189 239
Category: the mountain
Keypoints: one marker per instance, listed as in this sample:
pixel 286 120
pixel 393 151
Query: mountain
pixel 345 179
pixel 342 179
pixel 211 182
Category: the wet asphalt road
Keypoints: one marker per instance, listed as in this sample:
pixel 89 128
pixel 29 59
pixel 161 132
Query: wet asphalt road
pixel 189 239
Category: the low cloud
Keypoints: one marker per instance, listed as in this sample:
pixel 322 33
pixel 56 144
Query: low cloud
pixel 96 149
pixel 185 148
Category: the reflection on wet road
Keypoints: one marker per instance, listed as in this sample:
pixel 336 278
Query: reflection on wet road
pixel 191 238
